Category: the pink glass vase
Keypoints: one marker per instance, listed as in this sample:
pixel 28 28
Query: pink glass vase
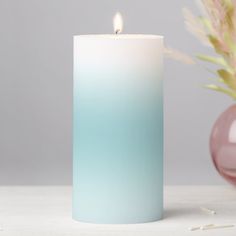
pixel 223 144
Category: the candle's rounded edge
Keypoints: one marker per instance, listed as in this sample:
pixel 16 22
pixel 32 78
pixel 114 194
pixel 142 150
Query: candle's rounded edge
pixel 144 220
pixel 119 36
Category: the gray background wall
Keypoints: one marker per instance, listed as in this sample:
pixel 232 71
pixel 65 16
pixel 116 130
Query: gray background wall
pixel 36 87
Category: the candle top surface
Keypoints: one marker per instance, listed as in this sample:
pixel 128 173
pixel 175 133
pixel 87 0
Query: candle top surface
pixel 121 36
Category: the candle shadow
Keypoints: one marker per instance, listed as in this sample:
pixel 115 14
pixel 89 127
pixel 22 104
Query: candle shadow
pixel 179 212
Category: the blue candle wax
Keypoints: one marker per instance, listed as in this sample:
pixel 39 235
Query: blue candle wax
pixel 118 129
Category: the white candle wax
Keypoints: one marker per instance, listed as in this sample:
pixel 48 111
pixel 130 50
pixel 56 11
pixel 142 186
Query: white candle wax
pixel 118 128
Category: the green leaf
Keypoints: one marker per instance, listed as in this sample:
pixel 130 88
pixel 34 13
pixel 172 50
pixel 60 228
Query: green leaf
pixel 217 45
pixel 230 43
pixel 221 80
pixel 215 60
pixel 229 17
pixel 228 77
pixel 222 90
pixel 206 23
pixel 228 3
pixel 217 79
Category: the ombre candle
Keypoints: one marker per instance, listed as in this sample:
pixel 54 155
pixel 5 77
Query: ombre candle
pixel 118 128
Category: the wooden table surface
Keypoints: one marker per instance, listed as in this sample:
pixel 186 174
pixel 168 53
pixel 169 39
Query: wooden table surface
pixel 46 210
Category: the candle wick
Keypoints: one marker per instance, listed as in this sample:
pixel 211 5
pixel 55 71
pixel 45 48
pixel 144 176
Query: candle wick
pixel 117 31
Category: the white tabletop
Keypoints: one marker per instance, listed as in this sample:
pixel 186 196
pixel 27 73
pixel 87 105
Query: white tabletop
pixel 46 210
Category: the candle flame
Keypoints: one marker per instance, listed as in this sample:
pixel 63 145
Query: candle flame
pixel 118 23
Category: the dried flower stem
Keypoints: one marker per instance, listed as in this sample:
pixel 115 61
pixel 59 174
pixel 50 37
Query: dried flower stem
pixel 217 27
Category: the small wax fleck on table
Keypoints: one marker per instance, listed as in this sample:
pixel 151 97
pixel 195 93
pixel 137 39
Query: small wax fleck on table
pixel 207 210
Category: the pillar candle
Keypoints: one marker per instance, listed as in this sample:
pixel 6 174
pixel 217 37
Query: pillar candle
pixel 118 128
